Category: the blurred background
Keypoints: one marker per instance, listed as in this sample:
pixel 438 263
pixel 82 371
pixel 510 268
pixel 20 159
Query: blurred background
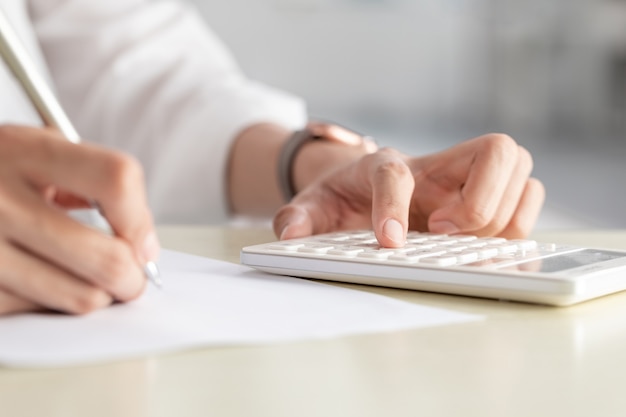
pixel 421 75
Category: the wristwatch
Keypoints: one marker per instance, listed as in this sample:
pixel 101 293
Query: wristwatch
pixel 314 131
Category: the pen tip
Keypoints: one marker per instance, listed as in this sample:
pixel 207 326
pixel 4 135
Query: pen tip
pixel 152 272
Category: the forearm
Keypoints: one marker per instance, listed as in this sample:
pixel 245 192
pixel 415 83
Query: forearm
pixel 252 177
pixel 252 185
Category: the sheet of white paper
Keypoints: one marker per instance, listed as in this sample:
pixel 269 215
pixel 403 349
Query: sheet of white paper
pixel 208 303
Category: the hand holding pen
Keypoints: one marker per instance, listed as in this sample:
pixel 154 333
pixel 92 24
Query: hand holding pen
pixel 50 261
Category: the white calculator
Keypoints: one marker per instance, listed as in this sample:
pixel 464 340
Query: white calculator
pixel 520 270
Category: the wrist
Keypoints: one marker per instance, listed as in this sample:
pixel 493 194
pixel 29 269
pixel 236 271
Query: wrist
pixel 253 189
pixel 315 158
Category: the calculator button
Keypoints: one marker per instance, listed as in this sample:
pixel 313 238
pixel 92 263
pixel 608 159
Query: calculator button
pixel 330 241
pixel 415 256
pixel 504 249
pixel 477 244
pixel 285 246
pixel 416 239
pixel 360 234
pixel 456 248
pixel 486 253
pixel 330 238
pixel 465 257
pixel 548 247
pixel 443 260
pixel 433 235
pixel 367 245
pixel 403 249
pixel 464 238
pixel 492 240
pixel 375 254
pixel 423 246
pixel 350 242
pixel 524 244
pixel 315 248
pixel 358 241
pixel 349 251
pixel 445 242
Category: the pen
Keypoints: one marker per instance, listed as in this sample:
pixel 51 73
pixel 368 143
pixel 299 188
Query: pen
pixel 45 102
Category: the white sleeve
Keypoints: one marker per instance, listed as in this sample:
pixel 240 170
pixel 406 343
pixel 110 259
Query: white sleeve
pixel 150 78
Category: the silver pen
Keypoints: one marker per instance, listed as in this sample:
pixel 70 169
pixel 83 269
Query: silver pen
pixel 45 102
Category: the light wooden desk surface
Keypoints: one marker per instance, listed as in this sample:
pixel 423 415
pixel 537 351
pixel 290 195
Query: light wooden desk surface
pixel 523 360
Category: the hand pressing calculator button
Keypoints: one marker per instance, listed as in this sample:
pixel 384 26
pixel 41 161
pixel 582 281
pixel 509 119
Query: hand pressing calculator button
pixel 520 270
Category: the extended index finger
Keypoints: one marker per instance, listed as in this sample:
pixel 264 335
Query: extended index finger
pixel 392 188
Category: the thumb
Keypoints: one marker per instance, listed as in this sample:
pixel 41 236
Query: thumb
pixel 292 222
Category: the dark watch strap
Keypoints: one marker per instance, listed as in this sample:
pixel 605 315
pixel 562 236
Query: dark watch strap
pixel 286 159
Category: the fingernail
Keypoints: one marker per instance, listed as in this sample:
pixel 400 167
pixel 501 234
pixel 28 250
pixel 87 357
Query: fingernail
pixel 151 247
pixel 284 232
pixel 295 220
pixel 394 231
pixel 445 227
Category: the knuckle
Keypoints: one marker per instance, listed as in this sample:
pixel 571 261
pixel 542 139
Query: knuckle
pixel 139 290
pixel 500 144
pixel 125 173
pixel 387 149
pixel 477 216
pixel 498 224
pixel 520 225
pixel 389 152
pixel 517 228
pixel 535 194
pixel 525 158
pixel 393 166
pixel 89 300
pixel 537 188
pixel 115 264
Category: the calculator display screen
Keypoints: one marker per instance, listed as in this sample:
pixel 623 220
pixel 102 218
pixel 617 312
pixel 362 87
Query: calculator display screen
pixel 567 261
